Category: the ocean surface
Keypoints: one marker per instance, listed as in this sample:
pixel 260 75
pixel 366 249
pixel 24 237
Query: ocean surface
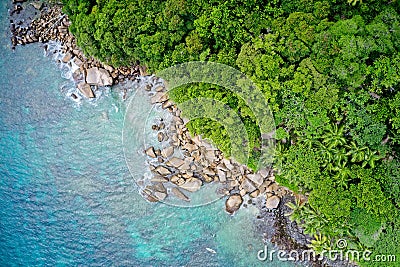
pixel 67 197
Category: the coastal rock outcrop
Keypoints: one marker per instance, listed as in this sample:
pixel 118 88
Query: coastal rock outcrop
pixel 52 25
pixel 189 162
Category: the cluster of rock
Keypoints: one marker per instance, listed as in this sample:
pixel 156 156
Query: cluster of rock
pixel 52 25
pixel 200 163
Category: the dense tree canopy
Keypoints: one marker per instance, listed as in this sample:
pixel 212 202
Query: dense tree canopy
pixel 330 72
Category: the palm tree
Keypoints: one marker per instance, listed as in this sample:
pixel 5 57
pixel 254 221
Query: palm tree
pixel 343 176
pixel 320 243
pixel 370 158
pixel 334 136
pixel 357 153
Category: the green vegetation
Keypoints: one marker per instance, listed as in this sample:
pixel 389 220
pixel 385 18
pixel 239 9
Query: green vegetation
pixel 330 71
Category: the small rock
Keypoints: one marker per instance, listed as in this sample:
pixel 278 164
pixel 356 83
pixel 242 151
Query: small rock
pixel 209 172
pixel 67 57
pixel 273 187
pixel 78 62
pixel 159 187
pixel 159 97
pixel 167 152
pixel 108 68
pixel 221 176
pixel 257 179
pixel 255 193
pixel 142 71
pixel 272 202
pixel 150 152
pixel 248 186
pixel 175 162
pixel 207 178
pixel 243 192
pixel 185 166
pixel 263 172
pixel 160 136
pixel 162 170
pixel 167 104
pixel 233 203
pixel 158 179
pixel 190 147
pixel 147 194
pixel 174 179
pixel 228 164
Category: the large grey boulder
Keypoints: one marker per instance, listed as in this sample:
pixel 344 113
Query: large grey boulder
pixel 85 89
pixel 100 77
pixel 192 184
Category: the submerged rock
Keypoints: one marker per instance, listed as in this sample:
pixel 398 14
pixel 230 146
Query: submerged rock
pixel 159 179
pixel 179 194
pixel 160 195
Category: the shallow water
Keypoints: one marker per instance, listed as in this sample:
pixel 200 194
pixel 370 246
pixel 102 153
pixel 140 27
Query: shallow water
pixel 67 197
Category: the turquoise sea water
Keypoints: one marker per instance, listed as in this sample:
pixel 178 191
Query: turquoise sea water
pixel 67 197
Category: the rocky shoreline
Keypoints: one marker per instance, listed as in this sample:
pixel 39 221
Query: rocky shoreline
pixel 200 163
pixel 175 175
pixel 44 24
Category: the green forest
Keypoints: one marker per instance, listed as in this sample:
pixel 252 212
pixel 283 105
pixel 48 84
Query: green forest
pixel 330 72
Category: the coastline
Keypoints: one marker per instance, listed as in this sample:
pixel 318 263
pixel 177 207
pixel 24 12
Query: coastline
pixel 32 22
pixel 89 75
